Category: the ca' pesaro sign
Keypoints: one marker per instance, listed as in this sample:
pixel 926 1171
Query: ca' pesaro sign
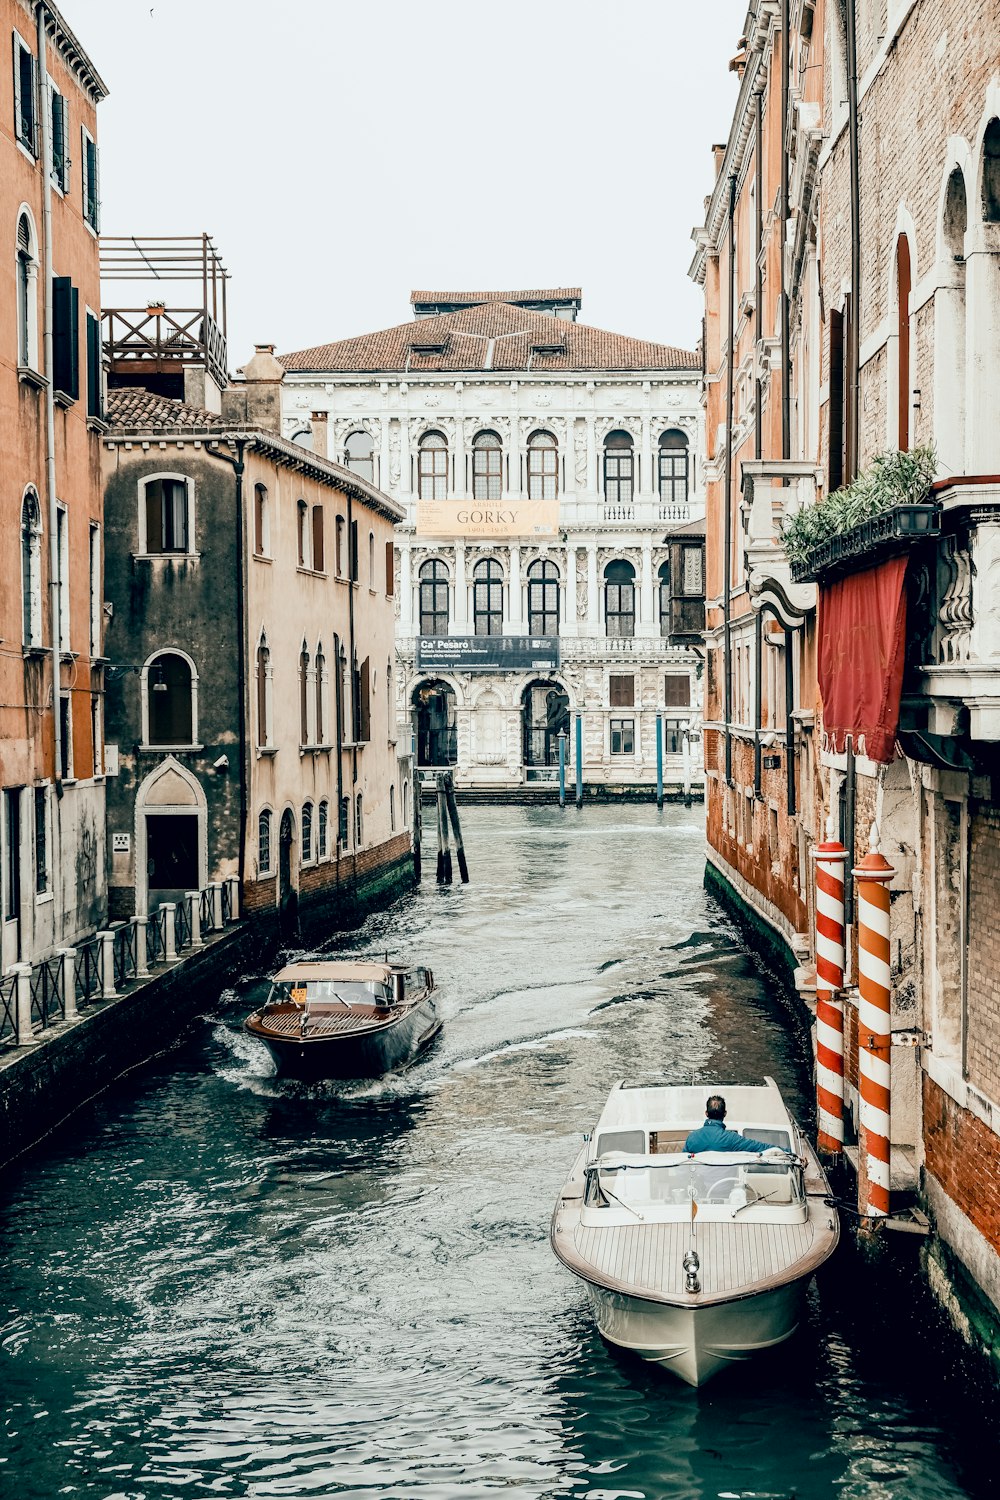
pixel 487 653
pixel 493 519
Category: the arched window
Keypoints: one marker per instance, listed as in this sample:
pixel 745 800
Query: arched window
pixel 304 695
pixel 406 803
pixel 487 597
pixel 371 559
pixel 543 466
pixel 618 468
pixel 433 597
pixel 487 466
pixel 264 842
pixel 359 823
pixel 322 831
pixel 320 696
pixel 432 467
pixel 263 693
pixel 341 525
pixel 543 598
pixel 27 301
pixel 170 712
pixel 261 522
pixel 903 287
pixel 619 599
pixel 307 831
pixel 302 521
pixel 303 437
pixel 359 455
pixel 392 809
pixel 165 515
pixel 673 469
pixel 664 598
pixel 318 548
pixel 31 570
pixel 950 331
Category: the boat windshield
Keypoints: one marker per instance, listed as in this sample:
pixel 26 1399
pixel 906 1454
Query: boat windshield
pixel 322 994
pixel 728 1179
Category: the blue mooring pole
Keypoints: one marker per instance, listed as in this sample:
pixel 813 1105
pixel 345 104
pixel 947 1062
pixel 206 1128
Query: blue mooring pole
pixel 562 768
pixel 579 760
pixel 659 760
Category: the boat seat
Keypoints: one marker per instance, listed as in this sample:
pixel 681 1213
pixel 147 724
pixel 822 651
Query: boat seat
pixel 666 1140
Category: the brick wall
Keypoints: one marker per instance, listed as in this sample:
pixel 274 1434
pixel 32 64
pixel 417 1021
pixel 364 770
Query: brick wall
pixel 983 1002
pixel 260 895
pixel 964 1156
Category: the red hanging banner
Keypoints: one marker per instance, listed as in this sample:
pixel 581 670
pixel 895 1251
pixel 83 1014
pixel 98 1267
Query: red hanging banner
pixel 862 633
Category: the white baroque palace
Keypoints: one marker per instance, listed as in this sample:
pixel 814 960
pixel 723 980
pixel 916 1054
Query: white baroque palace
pixel 550 570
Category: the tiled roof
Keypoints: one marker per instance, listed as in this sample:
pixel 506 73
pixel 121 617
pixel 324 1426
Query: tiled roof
pixel 133 408
pixel 473 299
pixel 494 336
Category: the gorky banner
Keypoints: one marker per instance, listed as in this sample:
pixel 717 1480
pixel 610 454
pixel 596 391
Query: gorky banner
pixel 487 518
pixel 478 653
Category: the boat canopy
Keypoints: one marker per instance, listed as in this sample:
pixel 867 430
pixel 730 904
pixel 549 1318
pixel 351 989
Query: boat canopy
pixel 360 972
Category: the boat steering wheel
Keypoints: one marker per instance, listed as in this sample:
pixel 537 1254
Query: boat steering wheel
pixel 715 1195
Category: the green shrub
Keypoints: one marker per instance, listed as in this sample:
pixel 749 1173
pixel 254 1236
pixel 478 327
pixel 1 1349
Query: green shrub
pixel 892 479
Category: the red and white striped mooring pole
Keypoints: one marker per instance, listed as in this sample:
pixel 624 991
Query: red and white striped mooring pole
pixel 874 1026
pixel 830 858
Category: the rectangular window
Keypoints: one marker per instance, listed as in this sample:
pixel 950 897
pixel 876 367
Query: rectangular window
pixel 166 516
pixel 318 555
pixel 41 840
pixel 97 733
pixel 95 591
pixel 343 822
pixel 66 735
pixel 390 585
pixel 91 182
pixel 340 546
pixel 355 564
pixel 95 372
pixel 676 690
pixel 362 703
pixel 59 165
pixel 62 559
pixel 673 736
pixel 25 117
pixel 12 849
pixel 622 691
pixel 66 337
pixel 622 736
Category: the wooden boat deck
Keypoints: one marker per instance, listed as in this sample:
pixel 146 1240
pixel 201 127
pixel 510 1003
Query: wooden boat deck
pixel 735 1258
pixel 287 1022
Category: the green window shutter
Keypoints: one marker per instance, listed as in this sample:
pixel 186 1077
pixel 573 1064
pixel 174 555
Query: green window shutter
pixel 66 337
pixel 95 405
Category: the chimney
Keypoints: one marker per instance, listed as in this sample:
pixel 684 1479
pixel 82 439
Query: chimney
pixel 262 377
pixel 320 424
pixel 718 156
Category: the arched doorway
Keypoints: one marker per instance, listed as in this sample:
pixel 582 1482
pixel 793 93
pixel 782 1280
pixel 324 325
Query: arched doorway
pixel 544 712
pixel 171 823
pixel 437 733
pixel 286 838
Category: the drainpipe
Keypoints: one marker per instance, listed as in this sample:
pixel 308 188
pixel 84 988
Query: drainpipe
pixel 786 395
pixel 789 722
pixel 242 654
pixel 758 667
pixel 854 325
pixel 758 419
pixel 50 408
pixel 727 550
pixel 353 572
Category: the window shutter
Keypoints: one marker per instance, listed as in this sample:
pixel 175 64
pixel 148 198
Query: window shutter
pixel 95 405
pixel 676 690
pixel 17 87
pixel 389 570
pixel 95 189
pixel 365 716
pixel 317 538
pixel 622 691
pixel 354 551
pixel 84 170
pixel 66 337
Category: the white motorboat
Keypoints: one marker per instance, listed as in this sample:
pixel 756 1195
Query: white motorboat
pixel 694 1262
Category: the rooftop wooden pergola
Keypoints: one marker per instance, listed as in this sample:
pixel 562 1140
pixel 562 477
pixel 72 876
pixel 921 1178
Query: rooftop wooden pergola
pixel 160 339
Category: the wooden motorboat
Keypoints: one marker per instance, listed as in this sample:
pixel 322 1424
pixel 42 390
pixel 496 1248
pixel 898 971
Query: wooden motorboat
pixel 694 1262
pixel 346 1019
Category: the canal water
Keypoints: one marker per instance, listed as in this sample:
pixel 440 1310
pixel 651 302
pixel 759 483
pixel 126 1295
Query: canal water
pixel 218 1284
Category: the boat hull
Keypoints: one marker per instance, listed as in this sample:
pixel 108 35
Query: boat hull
pixel 363 1054
pixel 695 1342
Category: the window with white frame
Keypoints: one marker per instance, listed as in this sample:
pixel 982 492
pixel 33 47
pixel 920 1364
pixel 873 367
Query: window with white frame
pixel 487 466
pixel 31 569
pixel 322 829
pixel 263 676
pixel 170 700
pixel 307 832
pixel 97 733
pixel 66 735
pixel 25 96
pixel 321 724
pixel 264 841
pixel 91 180
pixel 261 522
pixel 543 466
pixel 166 503
pixel 42 872
pixel 62 563
pixel 622 736
pixel 432 467
pixel 95 590
pixel 26 272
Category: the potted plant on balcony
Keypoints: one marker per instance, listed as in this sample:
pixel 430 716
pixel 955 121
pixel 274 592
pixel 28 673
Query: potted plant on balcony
pixel 888 501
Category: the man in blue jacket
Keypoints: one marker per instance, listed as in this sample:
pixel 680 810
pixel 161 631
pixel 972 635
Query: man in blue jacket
pixel 713 1135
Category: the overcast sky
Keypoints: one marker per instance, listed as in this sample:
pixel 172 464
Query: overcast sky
pixel 342 154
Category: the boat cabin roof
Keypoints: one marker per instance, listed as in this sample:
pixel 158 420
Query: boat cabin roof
pixel 361 973
pixel 683 1107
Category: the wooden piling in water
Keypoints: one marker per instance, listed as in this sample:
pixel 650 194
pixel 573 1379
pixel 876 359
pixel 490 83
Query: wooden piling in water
pixel 418 820
pixel 444 846
pixel 452 807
